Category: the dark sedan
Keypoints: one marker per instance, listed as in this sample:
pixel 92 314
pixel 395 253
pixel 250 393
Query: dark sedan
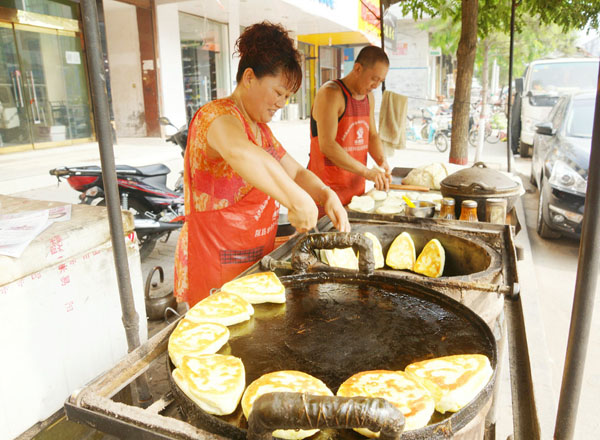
pixel 559 166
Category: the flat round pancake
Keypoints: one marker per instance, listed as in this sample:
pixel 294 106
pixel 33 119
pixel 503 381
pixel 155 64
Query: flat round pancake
pixel 377 195
pixel 393 207
pixel 284 381
pixel 214 382
pixel 195 338
pixel 257 288
pixel 400 389
pixel 362 204
pixel 453 380
pixel 221 307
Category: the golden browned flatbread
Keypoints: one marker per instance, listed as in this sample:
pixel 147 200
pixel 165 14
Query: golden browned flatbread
pixel 402 253
pixel 214 382
pixel 284 381
pixel 453 380
pixel 257 288
pixel 223 308
pixel 431 260
pixel 195 338
pixel 400 389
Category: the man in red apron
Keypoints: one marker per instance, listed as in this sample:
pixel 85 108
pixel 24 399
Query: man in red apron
pixel 343 131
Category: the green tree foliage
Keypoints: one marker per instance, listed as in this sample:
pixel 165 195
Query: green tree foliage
pixel 494 16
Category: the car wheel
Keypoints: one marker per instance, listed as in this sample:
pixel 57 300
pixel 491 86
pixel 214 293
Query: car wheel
pixel 543 229
pixel 524 149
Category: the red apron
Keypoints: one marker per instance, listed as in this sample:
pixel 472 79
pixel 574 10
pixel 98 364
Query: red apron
pixel 225 242
pixel 353 136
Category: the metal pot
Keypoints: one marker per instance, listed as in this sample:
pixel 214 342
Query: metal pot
pixel 480 183
pixel 157 299
pixel 336 324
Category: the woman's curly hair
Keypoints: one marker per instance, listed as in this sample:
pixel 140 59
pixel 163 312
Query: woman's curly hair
pixel 268 50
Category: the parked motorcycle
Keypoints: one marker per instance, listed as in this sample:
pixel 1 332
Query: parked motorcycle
pixel 157 209
pixel 179 139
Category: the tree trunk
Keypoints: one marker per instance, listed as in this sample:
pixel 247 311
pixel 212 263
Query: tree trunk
pixel 464 73
pixel 484 98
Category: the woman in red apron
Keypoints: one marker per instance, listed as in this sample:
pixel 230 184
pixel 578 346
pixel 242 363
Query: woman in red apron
pixel 237 173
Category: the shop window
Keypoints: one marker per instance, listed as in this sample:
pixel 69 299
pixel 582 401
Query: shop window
pixel 56 8
pixel 205 60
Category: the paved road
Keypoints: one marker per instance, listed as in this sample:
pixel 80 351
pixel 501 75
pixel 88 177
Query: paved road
pixel 555 263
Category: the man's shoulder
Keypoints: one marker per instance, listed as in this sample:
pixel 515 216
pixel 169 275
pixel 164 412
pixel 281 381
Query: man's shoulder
pixel 330 91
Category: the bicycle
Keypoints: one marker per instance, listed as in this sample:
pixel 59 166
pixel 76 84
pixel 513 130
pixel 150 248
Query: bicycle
pixel 495 130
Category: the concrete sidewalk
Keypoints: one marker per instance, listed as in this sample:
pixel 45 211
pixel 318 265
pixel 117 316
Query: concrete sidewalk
pixel 25 174
pixel 22 172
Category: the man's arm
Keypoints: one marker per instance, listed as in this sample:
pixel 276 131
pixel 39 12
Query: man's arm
pixel 329 104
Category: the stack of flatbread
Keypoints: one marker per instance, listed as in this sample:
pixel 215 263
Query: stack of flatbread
pixel 284 381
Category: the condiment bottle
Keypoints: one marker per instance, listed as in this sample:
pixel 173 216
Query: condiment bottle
pixel 468 211
pixel 495 211
pixel 447 211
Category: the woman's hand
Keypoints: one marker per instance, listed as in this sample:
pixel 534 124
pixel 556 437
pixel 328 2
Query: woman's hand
pixel 303 214
pixel 335 211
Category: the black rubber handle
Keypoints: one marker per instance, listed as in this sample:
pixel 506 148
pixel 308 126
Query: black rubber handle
pixel 303 255
pixel 273 411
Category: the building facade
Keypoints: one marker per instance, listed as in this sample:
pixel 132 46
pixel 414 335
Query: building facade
pixel 169 57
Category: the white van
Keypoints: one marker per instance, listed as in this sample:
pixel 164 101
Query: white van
pixel 543 82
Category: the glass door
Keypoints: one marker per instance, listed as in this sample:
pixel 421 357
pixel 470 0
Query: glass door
pixel 44 95
pixel 14 119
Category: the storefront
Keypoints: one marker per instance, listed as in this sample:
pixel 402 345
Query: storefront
pixel 205 61
pixel 44 95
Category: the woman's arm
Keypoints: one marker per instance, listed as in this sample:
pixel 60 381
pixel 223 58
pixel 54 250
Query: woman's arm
pixel 320 192
pixel 227 137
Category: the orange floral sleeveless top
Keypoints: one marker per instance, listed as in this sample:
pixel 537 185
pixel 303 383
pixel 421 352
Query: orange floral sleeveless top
pixel 214 183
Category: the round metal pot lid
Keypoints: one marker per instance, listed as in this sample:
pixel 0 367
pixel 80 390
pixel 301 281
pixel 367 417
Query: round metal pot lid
pixel 479 180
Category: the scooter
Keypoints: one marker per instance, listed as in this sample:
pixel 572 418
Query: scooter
pixel 179 139
pixel 157 209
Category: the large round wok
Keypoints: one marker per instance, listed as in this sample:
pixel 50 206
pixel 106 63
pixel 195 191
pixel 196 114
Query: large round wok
pixel 336 324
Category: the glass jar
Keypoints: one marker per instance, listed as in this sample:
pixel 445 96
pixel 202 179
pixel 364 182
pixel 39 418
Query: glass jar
pixel 468 211
pixel 495 211
pixel 447 211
